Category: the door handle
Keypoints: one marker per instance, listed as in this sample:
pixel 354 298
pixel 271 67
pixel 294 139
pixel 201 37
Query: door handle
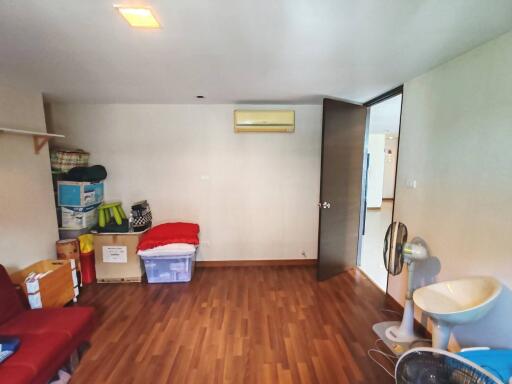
pixel 324 205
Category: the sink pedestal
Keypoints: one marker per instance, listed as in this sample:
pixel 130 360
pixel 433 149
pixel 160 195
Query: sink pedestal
pixel 441 332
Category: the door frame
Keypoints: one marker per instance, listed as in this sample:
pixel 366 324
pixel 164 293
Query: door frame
pixel 376 100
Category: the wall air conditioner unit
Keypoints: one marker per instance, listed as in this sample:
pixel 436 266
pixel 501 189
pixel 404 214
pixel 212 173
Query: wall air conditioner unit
pixel 264 121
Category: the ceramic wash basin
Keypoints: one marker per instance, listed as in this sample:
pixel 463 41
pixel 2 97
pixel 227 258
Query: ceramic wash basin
pixel 456 302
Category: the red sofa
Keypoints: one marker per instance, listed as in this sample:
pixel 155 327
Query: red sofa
pixel 48 336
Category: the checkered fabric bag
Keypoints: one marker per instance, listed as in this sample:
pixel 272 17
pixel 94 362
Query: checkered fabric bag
pixel 141 214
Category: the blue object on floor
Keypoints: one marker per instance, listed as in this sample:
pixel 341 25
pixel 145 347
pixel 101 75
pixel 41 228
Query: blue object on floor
pixel 496 361
pixel 8 345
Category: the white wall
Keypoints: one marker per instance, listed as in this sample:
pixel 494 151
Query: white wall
pixel 28 224
pixel 376 144
pixel 455 141
pixel 385 119
pixel 254 195
pixel 388 189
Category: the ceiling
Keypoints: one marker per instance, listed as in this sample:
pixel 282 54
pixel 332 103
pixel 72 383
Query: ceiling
pixel 236 51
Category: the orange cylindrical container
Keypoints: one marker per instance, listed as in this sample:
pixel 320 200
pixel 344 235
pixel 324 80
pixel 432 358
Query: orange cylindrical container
pixel 68 249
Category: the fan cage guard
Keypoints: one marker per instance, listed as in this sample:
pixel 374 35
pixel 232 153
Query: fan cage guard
pixel 435 366
pixel 395 238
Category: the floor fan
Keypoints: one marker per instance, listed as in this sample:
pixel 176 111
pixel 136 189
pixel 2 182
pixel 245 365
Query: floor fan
pixel 399 336
pixel 429 365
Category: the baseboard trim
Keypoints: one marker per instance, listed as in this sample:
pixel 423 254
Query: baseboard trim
pixel 369 279
pixel 396 306
pixel 255 263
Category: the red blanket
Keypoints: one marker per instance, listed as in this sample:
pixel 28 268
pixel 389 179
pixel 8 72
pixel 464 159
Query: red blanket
pixel 169 233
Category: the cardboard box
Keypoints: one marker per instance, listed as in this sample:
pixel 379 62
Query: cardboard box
pixel 55 289
pixel 116 257
pixel 79 194
pixel 78 217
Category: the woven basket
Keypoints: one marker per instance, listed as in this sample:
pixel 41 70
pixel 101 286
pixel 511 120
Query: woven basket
pixel 63 160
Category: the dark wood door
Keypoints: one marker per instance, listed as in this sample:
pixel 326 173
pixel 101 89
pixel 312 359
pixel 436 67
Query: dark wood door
pixel 343 142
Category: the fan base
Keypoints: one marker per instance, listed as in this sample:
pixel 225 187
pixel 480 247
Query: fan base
pixel 398 347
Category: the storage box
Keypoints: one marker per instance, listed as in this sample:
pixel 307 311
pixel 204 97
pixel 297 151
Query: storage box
pixel 66 233
pixel 79 194
pixel 169 269
pixel 78 217
pixel 116 257
pixel 53 290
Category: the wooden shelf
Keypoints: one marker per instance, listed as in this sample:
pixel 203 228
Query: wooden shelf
pixel 39 138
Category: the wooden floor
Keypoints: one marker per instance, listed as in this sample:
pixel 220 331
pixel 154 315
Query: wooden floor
pixel 235 325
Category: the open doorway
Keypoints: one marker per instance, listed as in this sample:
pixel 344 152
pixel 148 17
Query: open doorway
pixel 382 148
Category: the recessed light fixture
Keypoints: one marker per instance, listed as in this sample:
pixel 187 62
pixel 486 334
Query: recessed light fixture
pixel 138 17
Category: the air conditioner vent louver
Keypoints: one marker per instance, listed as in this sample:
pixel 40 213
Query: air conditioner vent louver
pixel 264 121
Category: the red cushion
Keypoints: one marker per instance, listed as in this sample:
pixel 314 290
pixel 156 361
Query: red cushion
pixel 16 374
pixel 43 353
pixel 10 304
pixel 72 321
pixel 169 233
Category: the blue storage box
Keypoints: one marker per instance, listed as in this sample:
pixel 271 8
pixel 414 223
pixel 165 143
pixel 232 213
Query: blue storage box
pixel 78 217
pixel 79 194
pixel 169 269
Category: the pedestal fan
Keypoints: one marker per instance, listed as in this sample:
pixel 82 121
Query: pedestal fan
pixel 399 336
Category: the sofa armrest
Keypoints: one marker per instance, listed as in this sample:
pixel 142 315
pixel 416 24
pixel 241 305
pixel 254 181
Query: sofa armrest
pixel 22 296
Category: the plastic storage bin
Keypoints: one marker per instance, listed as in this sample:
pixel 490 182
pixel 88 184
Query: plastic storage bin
pixel 66 233
pixel 169 269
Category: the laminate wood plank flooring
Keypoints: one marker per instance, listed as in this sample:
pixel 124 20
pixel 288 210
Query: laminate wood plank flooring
pixel 236 325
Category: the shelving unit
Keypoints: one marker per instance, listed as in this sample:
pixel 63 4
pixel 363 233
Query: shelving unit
pixel 39 138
